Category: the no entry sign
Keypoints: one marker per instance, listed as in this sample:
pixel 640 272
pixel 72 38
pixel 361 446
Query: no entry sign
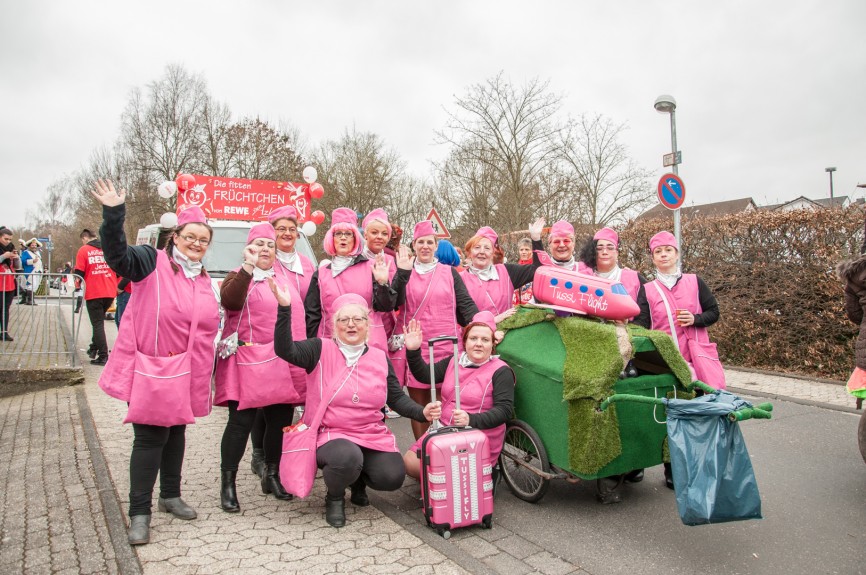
pixel 671 191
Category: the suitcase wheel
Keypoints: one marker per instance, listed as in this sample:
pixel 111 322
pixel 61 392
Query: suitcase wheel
pixel 445 533
pixel 487 523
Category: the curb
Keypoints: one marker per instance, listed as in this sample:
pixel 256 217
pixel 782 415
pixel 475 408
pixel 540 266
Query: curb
pixel 799 376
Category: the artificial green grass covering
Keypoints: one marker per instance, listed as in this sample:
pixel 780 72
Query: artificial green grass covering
pixel 578 360
pixel 669 351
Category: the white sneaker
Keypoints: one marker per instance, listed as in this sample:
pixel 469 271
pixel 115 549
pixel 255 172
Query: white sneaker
pixel 390 413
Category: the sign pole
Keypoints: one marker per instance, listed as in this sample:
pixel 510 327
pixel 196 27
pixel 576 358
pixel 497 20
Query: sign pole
pixel 676 173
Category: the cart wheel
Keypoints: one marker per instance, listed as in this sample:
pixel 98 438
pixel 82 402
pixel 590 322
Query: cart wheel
pixel 522 454
pixel 861 436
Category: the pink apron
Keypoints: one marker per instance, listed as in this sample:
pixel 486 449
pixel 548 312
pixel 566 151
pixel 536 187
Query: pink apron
pixel 302 282
pixel 495 295
pixel 173 292
pixel 354 279
pixel 430 300
pixel 254 376
pixel 683 296
pixel 476 396
pixel 356 394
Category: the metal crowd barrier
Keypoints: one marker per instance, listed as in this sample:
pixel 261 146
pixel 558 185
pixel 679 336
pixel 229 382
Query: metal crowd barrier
pixel 36 320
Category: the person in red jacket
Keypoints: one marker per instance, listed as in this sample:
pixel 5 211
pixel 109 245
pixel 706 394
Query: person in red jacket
pixel 100 288
pixel 8 261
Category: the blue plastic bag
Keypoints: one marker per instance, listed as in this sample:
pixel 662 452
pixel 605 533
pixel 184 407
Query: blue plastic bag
pixel 712 472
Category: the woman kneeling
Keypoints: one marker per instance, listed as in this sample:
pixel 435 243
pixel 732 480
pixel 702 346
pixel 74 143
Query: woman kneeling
pixel 354 448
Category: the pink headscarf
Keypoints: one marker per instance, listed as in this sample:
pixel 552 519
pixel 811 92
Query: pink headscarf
pixel 487 232
pixel 348 299
pixel 487 318
pixel 285 212
pixel 262 230
pixel 607 234
pixel 191 215
pixel 663 239
pixel 562 228
pixel 377 215
pixel 423 228
pixel 343 219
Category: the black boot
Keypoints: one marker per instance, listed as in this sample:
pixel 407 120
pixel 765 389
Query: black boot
pixel 257 464
pixel 359 493
pixel 271 482
pixel 335 510
pixel 228 491
pixel 669 476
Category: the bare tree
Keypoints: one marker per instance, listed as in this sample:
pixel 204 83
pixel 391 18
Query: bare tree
pixel 504 138
pixel 357 171
pixel 262 152
pixel 217 153
pixel 611 186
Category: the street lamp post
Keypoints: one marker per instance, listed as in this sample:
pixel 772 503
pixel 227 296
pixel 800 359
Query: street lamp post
pixel 830 171
pixel 666 104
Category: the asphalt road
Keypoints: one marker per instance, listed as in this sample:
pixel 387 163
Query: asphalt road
pixel 812 481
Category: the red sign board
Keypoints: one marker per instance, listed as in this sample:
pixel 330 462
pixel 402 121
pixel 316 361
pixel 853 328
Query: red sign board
pixel 441 231
pixel 671 191
pixel 240 199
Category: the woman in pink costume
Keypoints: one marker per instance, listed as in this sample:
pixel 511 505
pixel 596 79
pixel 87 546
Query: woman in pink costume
pixel 486 384
pixel 349 271
pixel 173 311
pixel 434 294
pixel 600 257
pixel 354 447
pixel 492 285
pixel 253 377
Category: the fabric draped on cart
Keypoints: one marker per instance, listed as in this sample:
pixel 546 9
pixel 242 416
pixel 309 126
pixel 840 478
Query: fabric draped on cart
pixel 590 370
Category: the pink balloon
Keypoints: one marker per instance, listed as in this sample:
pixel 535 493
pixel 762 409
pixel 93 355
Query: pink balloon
pixel 316 191
pixel 318 216
pixel 184 182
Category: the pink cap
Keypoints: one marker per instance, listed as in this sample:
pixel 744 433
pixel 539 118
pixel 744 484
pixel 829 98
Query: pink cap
pixel 191 215
pixel 343 219
pixel 663 239
pixel 486 318
pixel 285 212
pixel 262 230
pixel 377 215
pixel 423 228
pixel 487 232
pixel 562 228
pixel 348 299
pixel 607 234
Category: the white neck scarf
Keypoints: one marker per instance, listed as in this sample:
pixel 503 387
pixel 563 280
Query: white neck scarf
pixel 464 360
pixel 368 254
pixel 190 268
pixel 291 261
pixel 339 264
pixel 261 275
pixel 669 280
pixel 425 268
pixel 614 275
pixel 568 264
pixel 485 275
pixel 352 353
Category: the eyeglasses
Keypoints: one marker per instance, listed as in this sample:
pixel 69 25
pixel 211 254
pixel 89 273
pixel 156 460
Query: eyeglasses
pixel 283 229
pixel 355 320
pixel 195 240
pixel 564 242
pixel 343 234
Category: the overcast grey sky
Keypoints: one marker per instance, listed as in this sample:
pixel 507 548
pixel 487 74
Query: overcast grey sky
pixel 769 93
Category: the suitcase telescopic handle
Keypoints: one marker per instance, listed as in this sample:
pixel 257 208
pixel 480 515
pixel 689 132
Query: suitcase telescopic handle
pixel 453 340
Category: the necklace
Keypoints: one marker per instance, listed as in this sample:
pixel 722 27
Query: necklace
pixel 355 398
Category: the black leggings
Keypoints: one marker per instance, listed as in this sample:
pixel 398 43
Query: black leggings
pixel 343 462
pixel 257 435
pixel 155 450
pixel 7 297
pixel 238 428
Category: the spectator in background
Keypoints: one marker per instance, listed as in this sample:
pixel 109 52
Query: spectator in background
pixel 31 262
pixel 8 263
pixel 394 243
pixel 100 286
pixel 447 254
pixel 67 281
pixel 523 294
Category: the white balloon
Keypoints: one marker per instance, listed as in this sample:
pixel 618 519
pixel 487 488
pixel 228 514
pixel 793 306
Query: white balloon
pixel 309 228
pixel 310 174
pixel 166 189
pixel 168 220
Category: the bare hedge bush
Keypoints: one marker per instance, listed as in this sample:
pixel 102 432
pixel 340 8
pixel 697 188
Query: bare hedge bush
pixel 773 274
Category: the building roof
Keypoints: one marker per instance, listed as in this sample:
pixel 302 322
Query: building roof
pixel 713 209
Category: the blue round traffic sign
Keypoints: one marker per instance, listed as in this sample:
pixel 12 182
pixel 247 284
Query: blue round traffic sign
pixel 671 191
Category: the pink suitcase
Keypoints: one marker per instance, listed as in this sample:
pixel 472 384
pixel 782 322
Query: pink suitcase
pixel 456 471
